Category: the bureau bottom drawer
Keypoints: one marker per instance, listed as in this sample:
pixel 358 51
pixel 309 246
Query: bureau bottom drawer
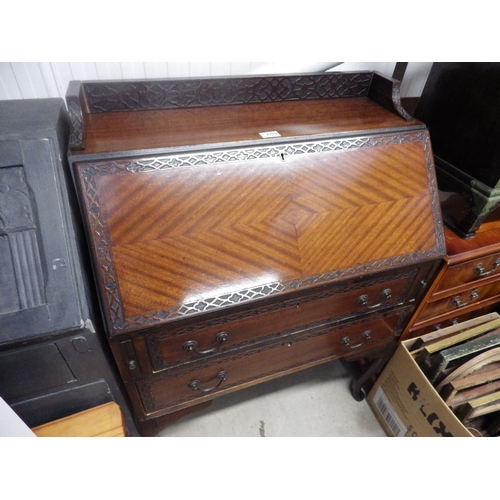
pixel 183 387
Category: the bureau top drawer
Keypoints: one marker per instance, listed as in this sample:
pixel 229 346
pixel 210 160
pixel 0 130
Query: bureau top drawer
pixel 469 272
pixel 169 346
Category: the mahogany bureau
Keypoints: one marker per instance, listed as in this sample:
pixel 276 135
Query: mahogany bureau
pixel 244 228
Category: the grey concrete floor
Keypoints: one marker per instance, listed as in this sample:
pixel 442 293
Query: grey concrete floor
pixel 316 402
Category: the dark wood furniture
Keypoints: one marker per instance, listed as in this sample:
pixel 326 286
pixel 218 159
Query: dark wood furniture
pixel 460 104
pixel 246 228
pixel 53 361
pixel 467 284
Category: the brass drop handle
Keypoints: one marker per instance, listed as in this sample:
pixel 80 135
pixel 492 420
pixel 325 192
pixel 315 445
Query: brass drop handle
pixel 458 302
pixel 362 300
pixel 195 384
pixel 365 336
pixel 479 269
pixel 190 345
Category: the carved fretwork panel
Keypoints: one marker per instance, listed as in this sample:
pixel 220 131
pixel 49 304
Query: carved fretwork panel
pixel 104 97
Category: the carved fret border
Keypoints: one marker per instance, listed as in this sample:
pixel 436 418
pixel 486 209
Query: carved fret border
pixel 119 323
pixel 106 97
pixel 133 165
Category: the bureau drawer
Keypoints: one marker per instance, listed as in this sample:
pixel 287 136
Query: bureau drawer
pixel 454 319
pixel 462 302
pixel 469 272
pixel 268 360
pixel 175 346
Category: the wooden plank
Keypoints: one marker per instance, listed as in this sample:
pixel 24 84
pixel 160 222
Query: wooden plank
pixel 477 363
pixel 448 342
pixel 432 337
pixel 102 421
pixel 461 353
pixel 479 406
pixel 470 387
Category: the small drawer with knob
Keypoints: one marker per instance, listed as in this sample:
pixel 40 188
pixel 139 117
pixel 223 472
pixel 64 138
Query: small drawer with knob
pixel 462 302
pixel 169 347
pixel 205 379
pixel 472 271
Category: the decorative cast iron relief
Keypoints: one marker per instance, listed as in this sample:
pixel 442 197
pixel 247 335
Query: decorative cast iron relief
pixel 21 277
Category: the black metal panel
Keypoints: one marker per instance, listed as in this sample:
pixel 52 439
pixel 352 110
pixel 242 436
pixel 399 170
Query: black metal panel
pixel 460 105
pixel 41 286
pixel 53 362
pixel 32 370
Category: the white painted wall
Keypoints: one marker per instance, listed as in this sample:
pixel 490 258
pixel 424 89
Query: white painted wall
pixel 33 80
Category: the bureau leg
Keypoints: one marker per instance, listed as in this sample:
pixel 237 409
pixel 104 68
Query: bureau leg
pixel 357 384
pixel 371 365
pixel 151 428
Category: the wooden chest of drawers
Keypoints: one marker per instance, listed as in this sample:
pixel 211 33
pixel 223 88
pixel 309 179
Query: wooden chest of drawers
pixel 467 284
pixel 246 228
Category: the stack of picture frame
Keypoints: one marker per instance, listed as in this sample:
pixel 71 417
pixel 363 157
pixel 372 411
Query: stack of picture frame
pixel 463 364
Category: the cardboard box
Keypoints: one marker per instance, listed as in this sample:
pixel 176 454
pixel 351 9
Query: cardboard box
pixel 407 405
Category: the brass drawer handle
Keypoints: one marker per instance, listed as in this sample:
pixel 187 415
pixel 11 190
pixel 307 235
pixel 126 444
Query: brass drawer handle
pixel 195 384
pixel 458 302
pixel 365 336
pixel 479 269
pixel 384 295
pixel 190 345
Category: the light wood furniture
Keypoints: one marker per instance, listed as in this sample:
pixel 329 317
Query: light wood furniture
pixel 102 421
pixel 246 228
